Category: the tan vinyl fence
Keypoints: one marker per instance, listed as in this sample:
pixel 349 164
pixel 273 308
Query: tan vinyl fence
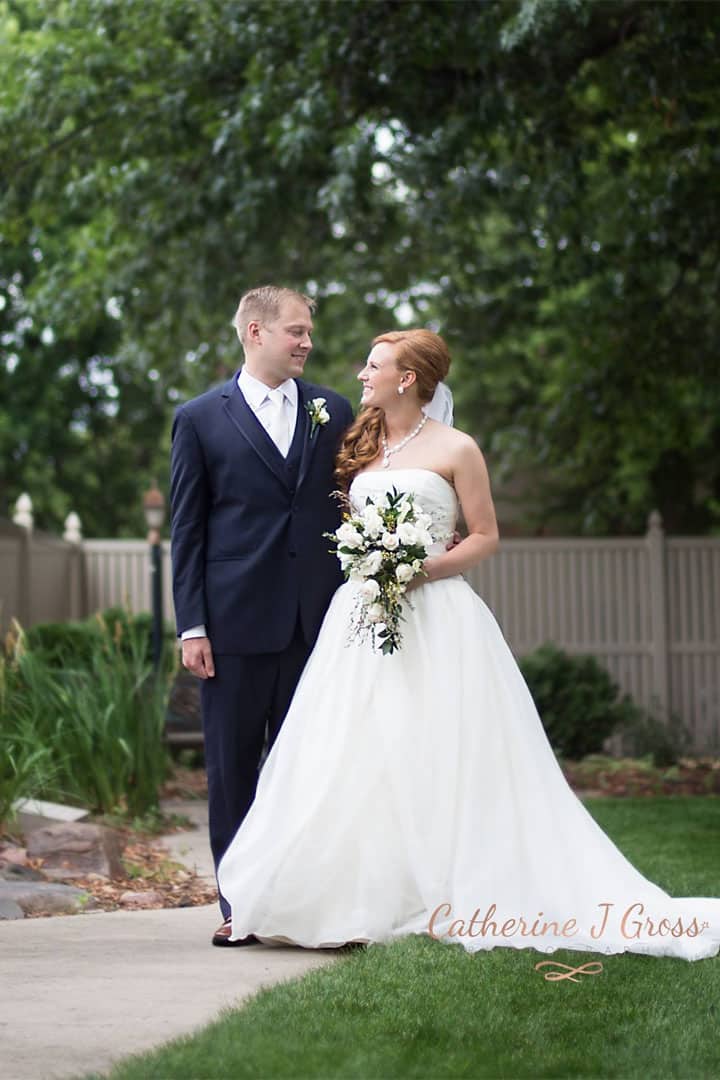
pixel 118 572
pixel 41 577
pixel 647 607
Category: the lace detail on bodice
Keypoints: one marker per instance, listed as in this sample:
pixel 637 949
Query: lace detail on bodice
pixel 434 496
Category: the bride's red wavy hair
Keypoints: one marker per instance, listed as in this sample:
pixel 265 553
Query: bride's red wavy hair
pixel 421 351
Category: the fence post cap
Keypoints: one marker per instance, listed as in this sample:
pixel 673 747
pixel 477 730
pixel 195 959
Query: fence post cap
pixel 654 522
pixel 73 528
pixel 23 514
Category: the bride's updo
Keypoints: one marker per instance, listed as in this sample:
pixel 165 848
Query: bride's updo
pixel 420 351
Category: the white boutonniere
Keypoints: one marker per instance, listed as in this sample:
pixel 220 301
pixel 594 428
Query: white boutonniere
pixel 318 414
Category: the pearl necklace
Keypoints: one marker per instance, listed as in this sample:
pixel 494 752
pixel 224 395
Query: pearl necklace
pixel 389 451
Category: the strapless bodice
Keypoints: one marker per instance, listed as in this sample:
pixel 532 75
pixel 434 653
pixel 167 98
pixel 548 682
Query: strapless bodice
pixel 434 495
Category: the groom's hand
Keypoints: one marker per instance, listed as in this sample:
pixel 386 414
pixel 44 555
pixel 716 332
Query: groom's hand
pixel 197 657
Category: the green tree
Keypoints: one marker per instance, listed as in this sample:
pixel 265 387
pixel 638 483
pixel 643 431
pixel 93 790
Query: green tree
pixel 536 180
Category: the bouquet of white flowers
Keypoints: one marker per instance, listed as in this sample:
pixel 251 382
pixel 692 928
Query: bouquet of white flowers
pixel 383 548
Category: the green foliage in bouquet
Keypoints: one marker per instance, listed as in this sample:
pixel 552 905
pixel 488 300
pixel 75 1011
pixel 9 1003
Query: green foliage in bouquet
pixel 578 702
pixel 382 548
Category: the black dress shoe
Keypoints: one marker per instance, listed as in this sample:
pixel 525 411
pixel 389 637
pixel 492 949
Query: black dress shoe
pixel 222 938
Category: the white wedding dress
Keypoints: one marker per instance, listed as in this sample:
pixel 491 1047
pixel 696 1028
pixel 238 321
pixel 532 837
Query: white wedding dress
pixel 417 792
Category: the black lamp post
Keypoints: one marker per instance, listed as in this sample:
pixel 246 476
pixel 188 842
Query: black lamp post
pixel 154 507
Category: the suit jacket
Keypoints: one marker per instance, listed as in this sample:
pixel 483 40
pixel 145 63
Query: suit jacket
pixel 248 551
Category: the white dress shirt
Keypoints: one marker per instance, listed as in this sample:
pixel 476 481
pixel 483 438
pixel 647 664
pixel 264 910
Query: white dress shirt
pixel 276 409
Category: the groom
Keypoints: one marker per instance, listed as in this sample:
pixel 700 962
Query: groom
pixel 251 483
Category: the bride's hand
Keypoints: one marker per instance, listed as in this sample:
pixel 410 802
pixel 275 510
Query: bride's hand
pixel 420 578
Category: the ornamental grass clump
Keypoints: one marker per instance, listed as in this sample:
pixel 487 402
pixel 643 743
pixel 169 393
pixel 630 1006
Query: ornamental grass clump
pixel 89 733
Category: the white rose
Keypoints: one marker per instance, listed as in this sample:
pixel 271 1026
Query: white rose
pixel 370 589
pixel 416 566
pixel 424 538
pixel 323 415
pixel 372 520
pixel 390 541
pixel 407 533
pixel 345 560
pixel 423 521
pixel 348 535
pixel 372 562
pixel 375 613
pixel 404 573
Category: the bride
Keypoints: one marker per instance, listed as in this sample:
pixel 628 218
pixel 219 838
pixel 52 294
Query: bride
pixel 416 792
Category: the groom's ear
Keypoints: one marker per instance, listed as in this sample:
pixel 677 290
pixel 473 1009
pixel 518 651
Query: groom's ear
pixel 252 333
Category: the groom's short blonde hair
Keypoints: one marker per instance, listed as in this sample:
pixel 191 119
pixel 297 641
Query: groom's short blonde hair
pixel 263 304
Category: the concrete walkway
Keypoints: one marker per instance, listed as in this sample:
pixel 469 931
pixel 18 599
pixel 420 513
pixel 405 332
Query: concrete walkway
pixel 78 993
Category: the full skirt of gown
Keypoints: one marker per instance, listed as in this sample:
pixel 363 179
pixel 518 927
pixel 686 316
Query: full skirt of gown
pixel 417 793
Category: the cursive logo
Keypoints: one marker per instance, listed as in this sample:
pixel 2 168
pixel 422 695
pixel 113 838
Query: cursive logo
pixel 594 967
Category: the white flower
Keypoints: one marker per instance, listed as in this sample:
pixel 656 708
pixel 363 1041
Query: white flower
pixel 375 613
pixel 407 533
pixel 321 412
pixel 404 508
pixel 423 521
pixel 372 562
pixel 318 414
pixel 348 535
pixel 404 573
pixel 345 560
pixel 390 541
pixel 370 589
pixel 424 538
pixel 416 566
pixel 372 520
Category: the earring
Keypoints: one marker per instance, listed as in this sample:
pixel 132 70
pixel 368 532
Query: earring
pixel 401 389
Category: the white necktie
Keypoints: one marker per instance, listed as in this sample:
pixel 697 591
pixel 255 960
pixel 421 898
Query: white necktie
pixel 275 416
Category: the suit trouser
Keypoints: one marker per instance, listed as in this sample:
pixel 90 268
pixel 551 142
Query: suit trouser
pixel 243 707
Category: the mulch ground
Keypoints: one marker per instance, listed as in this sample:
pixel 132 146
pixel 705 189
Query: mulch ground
pixel 154 879
pixel 598 775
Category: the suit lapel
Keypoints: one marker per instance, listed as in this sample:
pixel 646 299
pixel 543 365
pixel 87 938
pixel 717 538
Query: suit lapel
pixel 250 427
pixel 309 443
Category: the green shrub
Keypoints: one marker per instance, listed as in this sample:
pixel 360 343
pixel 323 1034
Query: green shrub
pixel 664 740
pixel 578 702
pixel 72 644
pixel 63 643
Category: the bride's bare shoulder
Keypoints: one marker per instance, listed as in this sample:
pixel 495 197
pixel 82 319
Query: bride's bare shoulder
pixel 456 441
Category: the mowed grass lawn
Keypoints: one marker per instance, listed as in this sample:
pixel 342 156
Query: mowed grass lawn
pixel 420 1008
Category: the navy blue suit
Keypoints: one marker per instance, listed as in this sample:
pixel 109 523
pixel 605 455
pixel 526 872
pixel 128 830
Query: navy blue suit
pixel 250 562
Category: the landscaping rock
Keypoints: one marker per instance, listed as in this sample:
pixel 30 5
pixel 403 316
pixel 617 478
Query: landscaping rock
pixel 37 813
pixel 10 910
pixel 13 854
pixel 15 872
pixel 76 850
pixel 34 897
pixel 149 899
